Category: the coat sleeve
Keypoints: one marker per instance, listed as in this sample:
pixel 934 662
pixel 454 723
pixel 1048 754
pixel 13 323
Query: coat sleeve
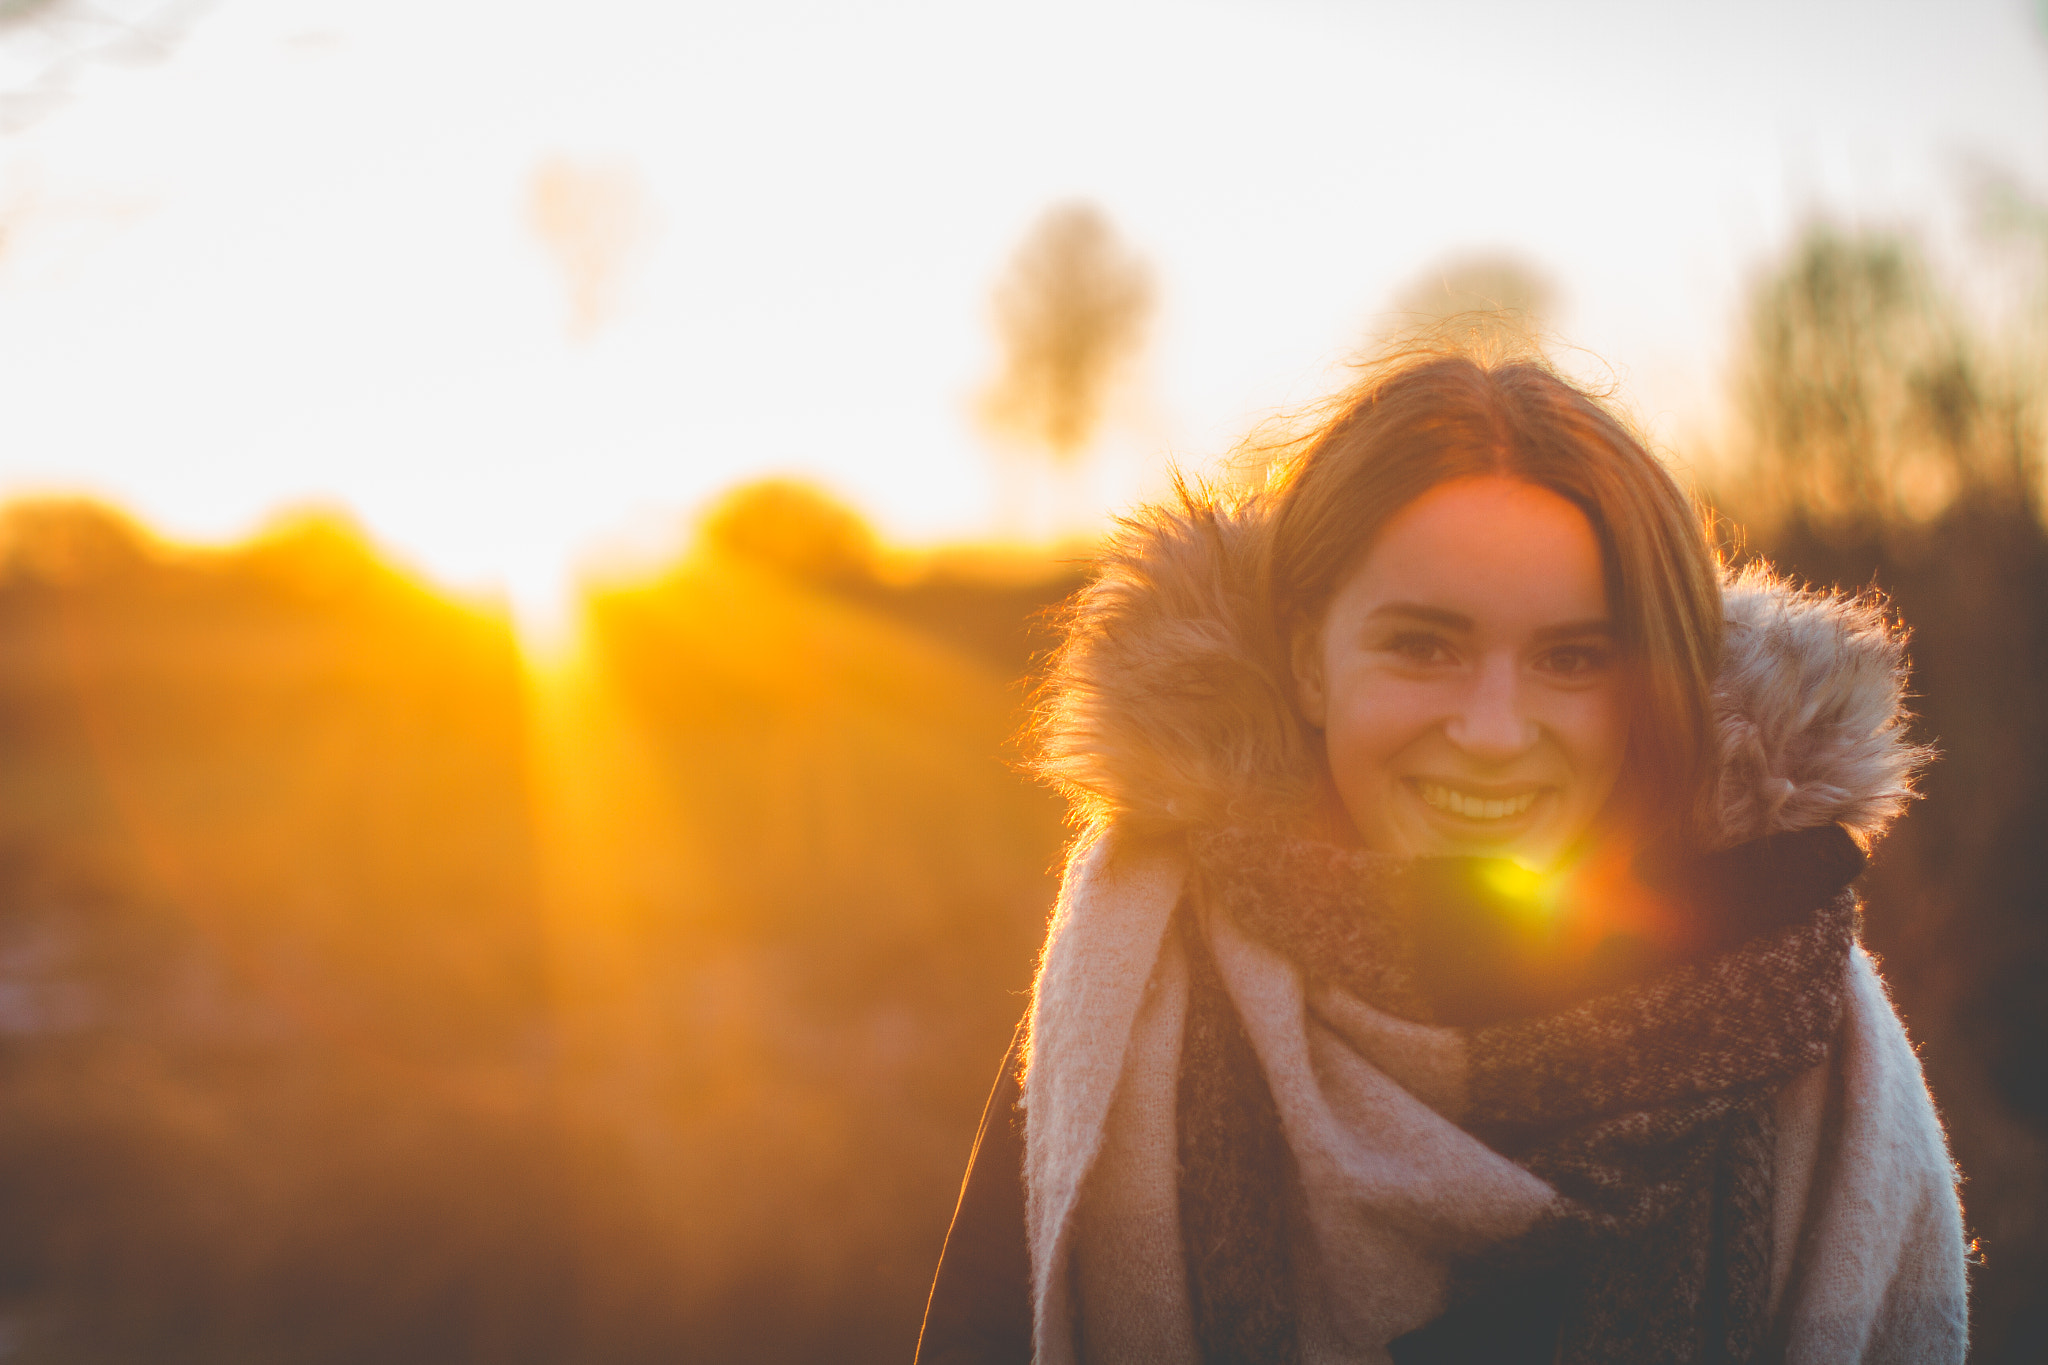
pixel 1875 1231
pixel 979 1312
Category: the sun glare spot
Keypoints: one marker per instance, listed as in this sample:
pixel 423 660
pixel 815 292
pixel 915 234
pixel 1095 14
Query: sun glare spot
pixel 1532 893
pixel 544 618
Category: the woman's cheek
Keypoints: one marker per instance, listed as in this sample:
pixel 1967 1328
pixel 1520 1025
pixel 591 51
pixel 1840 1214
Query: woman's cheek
pixel 1595 730
pixel 1372 720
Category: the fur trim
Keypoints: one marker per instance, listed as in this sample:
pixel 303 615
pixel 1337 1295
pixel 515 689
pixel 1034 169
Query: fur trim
pixel 1164 710
pixel 1810 712
pixel 1169 707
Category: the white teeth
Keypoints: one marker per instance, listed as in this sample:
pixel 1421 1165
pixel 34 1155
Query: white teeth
pixel 1475 807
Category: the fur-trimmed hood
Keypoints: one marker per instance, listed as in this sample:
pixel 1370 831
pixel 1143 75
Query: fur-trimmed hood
pixel 1165 710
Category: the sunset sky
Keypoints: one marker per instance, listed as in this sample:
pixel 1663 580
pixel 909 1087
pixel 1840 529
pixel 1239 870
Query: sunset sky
pixel 521 285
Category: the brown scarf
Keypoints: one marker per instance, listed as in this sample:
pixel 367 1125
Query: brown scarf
pixel 1640 1088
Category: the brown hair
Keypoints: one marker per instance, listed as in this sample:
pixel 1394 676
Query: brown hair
pixel 1424 418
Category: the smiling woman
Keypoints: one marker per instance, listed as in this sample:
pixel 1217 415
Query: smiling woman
pixel 1313 1073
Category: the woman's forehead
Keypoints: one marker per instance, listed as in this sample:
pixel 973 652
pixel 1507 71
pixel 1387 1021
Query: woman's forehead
pixel 1481 552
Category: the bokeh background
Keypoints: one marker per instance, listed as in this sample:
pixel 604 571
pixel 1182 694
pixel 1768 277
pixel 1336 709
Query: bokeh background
pixel 526 537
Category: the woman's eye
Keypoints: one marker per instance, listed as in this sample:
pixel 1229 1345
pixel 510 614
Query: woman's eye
pixel 1576 661
pixel 1418 648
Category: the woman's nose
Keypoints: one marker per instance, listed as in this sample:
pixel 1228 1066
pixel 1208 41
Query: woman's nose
pixel 1490 724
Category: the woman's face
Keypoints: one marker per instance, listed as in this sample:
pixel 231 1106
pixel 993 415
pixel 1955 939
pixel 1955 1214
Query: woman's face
pixel 1465 677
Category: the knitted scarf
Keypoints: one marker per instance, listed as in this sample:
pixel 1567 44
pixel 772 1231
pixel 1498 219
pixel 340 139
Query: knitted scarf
pixel 1636 1080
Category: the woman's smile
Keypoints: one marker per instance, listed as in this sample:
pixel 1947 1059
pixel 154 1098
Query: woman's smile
pixel 1498 810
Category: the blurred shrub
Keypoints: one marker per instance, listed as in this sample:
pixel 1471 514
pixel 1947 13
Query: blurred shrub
pixel 792 528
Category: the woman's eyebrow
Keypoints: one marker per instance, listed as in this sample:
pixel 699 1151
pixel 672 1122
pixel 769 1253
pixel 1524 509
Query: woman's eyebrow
pixel 1416 611
pixel 1572 630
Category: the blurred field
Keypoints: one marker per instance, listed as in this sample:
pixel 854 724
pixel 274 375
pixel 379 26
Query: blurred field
pixel 367 996
pixel 372 992
pixel 278 1044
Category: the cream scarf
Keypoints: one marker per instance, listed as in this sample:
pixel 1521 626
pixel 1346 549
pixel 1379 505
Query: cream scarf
pixel 1864 1222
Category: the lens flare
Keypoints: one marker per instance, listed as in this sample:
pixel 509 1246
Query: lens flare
pixel 1533 895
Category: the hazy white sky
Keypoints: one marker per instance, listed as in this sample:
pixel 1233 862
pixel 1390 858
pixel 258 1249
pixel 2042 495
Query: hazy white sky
pixel 296 261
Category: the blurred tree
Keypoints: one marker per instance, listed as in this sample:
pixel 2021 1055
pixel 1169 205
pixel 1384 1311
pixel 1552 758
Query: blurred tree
pixel 592 217
pixel 1865 401
pixel 1070 312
